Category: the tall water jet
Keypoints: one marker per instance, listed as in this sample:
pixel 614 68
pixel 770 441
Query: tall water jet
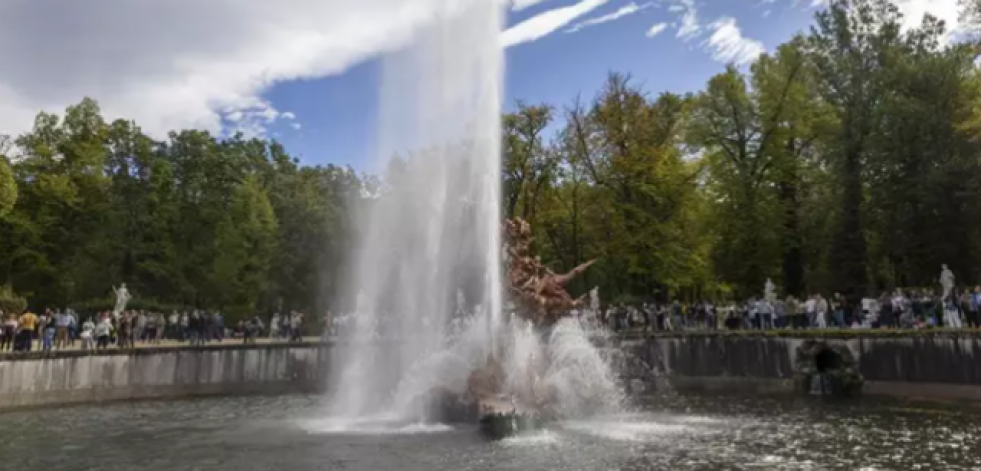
pixel 434 228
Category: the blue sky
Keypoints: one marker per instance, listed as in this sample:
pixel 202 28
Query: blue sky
pixel 336 114
pixel 306 72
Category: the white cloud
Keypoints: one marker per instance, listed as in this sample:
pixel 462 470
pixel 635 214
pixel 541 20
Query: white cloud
pixel 656 30
pixel 174 64
pixel 518 5
pixel 946 10
pixel 914 10
pixel 623 11
pixel 689 28
pixel 727 44
pixel 548 22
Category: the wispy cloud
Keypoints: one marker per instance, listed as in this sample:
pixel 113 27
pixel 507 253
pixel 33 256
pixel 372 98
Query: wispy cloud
pixel 214 74
pixel 518 5
pixel 727 43
pixel 547 22
pixel 623 11
pixel 656 30
pixel 690 27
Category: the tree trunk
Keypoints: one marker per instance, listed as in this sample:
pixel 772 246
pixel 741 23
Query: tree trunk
pixel 793 255
pixel 848 254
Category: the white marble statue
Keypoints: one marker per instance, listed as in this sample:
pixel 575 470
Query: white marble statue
pixel 769 291
pixel 594 300
pixel 946 280
pixel 122 297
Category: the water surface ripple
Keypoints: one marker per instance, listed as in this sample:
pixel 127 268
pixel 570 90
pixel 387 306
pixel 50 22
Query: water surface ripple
pixel 694 432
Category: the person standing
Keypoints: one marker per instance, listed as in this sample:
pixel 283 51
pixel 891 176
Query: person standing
pixel 88 334
pixel 62 322
pixel 792 311
pixel 810 309
pixel 975 319
pixel 48 331
pixel 296 321
pixel 838 307
pixel 952 317
pixel 103 330
pixel 27 325
pixel 9 329
pixel 194 329
pixel 821 307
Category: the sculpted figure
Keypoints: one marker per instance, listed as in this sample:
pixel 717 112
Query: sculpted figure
pixel 946 280
pixel 539 290
pixel 122 297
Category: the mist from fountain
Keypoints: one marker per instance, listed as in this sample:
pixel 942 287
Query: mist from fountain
pixel 432 234
pixel 435 226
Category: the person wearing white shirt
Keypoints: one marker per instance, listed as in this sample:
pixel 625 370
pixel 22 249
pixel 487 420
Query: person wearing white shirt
pixel 810 307
pixel 88 334
pixel 821 306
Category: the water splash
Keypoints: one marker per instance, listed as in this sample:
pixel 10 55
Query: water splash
pixel 434 227
pixel 583 380
pixel 431 239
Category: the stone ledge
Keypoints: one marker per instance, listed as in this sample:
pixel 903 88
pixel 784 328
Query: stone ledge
pixel 845 334
pixel 154 350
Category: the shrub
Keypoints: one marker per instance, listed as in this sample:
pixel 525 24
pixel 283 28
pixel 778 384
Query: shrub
pixel 10 302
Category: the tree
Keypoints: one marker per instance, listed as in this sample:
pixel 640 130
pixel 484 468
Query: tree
pixel 528 164
pixel 729 126
pixel 850 48
pixel 8 186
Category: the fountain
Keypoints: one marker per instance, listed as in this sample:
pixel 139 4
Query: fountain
pixel 432 238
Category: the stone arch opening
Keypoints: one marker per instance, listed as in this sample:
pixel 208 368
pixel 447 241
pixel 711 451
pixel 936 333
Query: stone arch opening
pixel 827 360
pixel 829 365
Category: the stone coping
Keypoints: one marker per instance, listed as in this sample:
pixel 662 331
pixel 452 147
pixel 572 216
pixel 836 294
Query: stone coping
pixel 143 350
pixel 845 334
pixel 236 344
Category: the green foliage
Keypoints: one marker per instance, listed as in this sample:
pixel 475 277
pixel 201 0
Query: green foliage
pixel 840 162
pixel 8 186
pixel 10 302
pixel 191 222
pixel 844 160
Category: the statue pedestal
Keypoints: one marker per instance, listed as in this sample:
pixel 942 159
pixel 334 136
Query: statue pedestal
pixel 501 419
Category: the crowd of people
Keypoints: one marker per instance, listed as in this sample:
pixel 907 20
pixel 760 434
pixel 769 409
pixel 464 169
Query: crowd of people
pixel 63 329
pixel 909 309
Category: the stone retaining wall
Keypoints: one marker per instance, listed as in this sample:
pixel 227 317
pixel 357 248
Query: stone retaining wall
pixel 940 366
pixel 934 366
pixel 62 378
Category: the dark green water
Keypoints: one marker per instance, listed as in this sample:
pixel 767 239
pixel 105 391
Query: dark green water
pixel 694 432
